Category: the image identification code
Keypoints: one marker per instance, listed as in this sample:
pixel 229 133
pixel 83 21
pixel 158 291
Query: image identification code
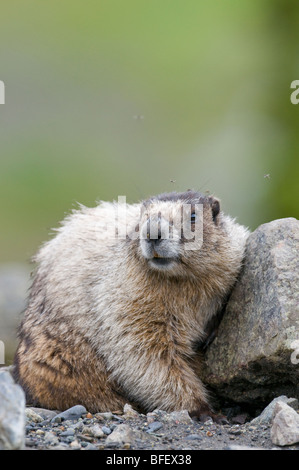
pixel 166 459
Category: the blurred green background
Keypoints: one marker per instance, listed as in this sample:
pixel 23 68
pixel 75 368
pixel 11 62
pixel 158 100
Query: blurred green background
pixel 119 97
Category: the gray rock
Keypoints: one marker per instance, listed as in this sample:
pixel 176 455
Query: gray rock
pixel 68 433
pixel 12 414
pixel 121 435
pixel 154 426
pixel 43 412
pixel 75 445
pixel 90 447
pixel 254 356
pixel 180 417
pixel 106 430
pixel 175 417
pixel 129 411
pixel 106 415
pixel 31 415
pixel 285 426
pixel 73 413
pixel 266 416
pixel 14 284
pixel 94 431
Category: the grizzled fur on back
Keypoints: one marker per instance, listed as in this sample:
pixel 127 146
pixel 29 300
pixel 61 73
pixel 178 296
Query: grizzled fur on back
pixel 115 319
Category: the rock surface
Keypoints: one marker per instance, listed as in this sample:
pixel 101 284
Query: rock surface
pixel 14 285
pixel 121 435
pixel 285 426
pixel 266 417
pixel 12 413
pixel 254 356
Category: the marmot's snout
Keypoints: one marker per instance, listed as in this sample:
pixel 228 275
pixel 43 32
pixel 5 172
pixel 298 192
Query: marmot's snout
pixel 160 242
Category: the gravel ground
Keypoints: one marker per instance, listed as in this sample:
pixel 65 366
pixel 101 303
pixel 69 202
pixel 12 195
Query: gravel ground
pixel 124 430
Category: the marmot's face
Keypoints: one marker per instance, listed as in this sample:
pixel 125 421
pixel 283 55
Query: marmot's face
pixel 175 230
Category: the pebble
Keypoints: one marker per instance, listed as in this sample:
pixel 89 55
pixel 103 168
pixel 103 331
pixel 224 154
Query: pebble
pixel 68 432
pixel 108 415
pixel 129 412
pixel 45 414
pixel 75 445
pixel 89 446
pixel 154 426
pixel 106 430
pixel 235 430
pixel 30 442
pixel 180 417
pixel 73 413
pixel 33 416
pixel 95 431
pixel 121 435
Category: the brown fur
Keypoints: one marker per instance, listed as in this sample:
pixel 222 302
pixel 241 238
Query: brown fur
pixel 105 325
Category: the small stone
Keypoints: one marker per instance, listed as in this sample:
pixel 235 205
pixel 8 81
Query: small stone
pixel 68 432
pixel 73 413
pixel 129 412
pixel 121 435
pixel 30 442
pixel 94 431
pixel 89 416
pixel 154 426
pixel 31 415
pixel 235 430
pixel 106 415
pixel 44 413
pixel 209 434
pixel 180 417
pixel 89 446
pixel 57 419
pixel 78 426
pixel 75 445
pixel 208 422
pixel 150 418
pixel 285 426
pixel 84 437
pixel 106 430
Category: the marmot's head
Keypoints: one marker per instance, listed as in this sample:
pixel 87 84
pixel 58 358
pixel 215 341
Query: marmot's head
pixel 183 234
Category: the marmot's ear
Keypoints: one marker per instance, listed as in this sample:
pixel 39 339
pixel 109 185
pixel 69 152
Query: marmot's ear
pixel 215 206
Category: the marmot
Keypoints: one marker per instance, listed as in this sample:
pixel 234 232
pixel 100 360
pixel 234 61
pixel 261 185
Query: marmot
pixel 114 316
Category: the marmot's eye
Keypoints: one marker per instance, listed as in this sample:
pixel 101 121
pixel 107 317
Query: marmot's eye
pixel 193 217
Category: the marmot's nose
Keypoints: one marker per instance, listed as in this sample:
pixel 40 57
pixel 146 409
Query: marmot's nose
pixel 154 230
